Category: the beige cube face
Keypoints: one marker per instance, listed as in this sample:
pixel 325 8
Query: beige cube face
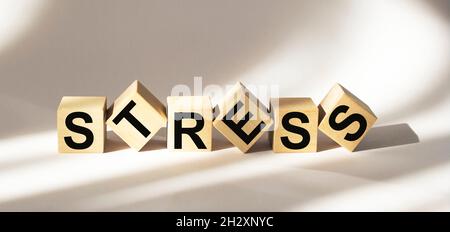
pixel 189 126
pixel 344 118
pixel 295 125
pixel 136 116
pixel 81 125
pixel 241 118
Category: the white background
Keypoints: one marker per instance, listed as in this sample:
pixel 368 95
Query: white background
pixel 392 54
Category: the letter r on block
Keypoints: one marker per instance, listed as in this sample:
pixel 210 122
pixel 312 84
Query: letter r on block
pixel 189 123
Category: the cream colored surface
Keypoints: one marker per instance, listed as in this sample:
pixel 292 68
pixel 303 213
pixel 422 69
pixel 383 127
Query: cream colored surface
pixel 392 54
pixel 95 107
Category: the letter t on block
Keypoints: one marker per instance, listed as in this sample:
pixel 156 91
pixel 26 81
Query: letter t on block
pixel 136 116
pixel 344 118
pixel 241 117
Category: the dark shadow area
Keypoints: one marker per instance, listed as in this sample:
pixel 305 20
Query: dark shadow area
pixel 154 144
pixel 158 141
pixel 388 136
pixel 441 7
pixel 114 143
pixel 324 142
pixel 263 144
pixel 221 144
pixel 399 161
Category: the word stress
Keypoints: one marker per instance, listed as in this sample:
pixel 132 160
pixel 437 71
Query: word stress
pixel 137 115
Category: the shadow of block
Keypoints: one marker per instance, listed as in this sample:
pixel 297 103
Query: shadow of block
pixel 114 143
pixel 221 144
pixel 263 144
pixel 388 136
pixel 158 142
pixel 154 144
pixel 324 142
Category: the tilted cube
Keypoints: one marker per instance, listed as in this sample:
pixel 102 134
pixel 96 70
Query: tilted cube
pixel 136 116
pixel 345 118
pixel 295 125
pixel 189 126
pixel 81 125
pixel 241 117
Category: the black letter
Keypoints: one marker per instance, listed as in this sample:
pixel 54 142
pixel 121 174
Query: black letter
pixel 179 130
pixel 79 129
pixel 125 113
pixel 347 121
pixel 295 129
pixel 237 127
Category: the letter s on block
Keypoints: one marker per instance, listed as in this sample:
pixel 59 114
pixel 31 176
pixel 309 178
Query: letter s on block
pixel 295 129
pixel 347 122
pixel 80 122
pixel 79 129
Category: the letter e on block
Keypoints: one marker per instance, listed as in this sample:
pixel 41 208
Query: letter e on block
pixel 295 125
pixel 81 125
pixel 136 116
pixel 190 123
pixel 241 117
pixel 344 118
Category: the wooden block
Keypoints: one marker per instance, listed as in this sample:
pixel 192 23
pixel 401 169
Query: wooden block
pixel 344 118
pixel 295 125
pixel 81 125
pixel 136 116
pixel 241 118
pixel 189 126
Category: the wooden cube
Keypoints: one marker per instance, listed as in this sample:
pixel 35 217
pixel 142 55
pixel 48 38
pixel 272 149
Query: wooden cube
pixel 295 125
pixel 136 116
pixel 241 117
pixel 344 118
pixel 189 126
pixel 81 125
